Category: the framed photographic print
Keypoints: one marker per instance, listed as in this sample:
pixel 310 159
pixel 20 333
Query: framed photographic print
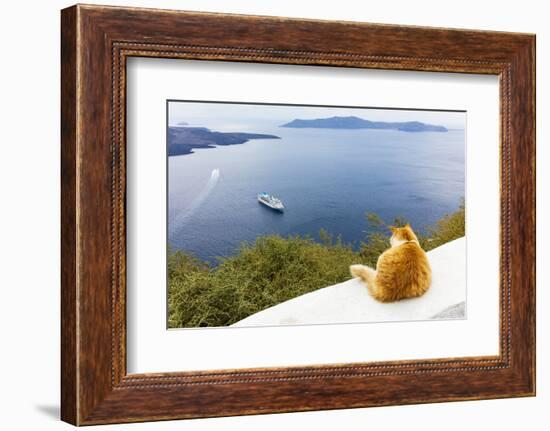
pixel 261 260
pixel 264 214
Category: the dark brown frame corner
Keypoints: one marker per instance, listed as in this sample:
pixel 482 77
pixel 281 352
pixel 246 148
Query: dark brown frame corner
pixel 95 43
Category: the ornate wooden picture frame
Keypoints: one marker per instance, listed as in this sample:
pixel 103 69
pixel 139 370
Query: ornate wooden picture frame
pixel 96 41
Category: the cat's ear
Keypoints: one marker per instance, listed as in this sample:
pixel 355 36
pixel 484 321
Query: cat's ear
pixel 408 225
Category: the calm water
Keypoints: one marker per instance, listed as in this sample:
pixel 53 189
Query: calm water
pixel 326 178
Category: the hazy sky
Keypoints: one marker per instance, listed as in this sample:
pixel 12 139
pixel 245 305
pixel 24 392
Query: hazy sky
pixel 249 118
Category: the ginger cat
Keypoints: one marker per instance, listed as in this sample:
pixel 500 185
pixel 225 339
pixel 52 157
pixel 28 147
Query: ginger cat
pixel 402 271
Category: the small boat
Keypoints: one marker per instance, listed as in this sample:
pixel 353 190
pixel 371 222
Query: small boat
pixel 271 202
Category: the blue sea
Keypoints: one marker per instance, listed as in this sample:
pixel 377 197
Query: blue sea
pixel 326 178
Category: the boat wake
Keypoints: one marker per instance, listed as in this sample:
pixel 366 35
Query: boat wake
pixel 184 216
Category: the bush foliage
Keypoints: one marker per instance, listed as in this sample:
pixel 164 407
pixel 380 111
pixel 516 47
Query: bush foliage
pixel 448 228
pixel 274 269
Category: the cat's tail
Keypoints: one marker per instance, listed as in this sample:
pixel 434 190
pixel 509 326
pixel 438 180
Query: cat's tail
pixel 367 276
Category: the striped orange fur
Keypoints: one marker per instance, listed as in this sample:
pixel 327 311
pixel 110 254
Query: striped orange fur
pixel 402 271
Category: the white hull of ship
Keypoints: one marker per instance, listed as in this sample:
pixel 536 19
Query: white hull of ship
pixel 267 204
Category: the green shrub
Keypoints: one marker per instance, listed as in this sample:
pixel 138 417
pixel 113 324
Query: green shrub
pixel 448 228
pixel 271 270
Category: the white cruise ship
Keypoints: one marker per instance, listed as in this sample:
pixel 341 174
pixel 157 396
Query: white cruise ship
pixel 271 201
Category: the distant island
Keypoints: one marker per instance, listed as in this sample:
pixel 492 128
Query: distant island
pixel 182 140
pixel 353 122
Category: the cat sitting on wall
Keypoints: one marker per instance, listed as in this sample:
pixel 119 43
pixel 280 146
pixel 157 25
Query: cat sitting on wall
pixel 402 271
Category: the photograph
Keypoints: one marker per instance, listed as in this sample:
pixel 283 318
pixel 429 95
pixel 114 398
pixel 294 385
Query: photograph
pixel 283 214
